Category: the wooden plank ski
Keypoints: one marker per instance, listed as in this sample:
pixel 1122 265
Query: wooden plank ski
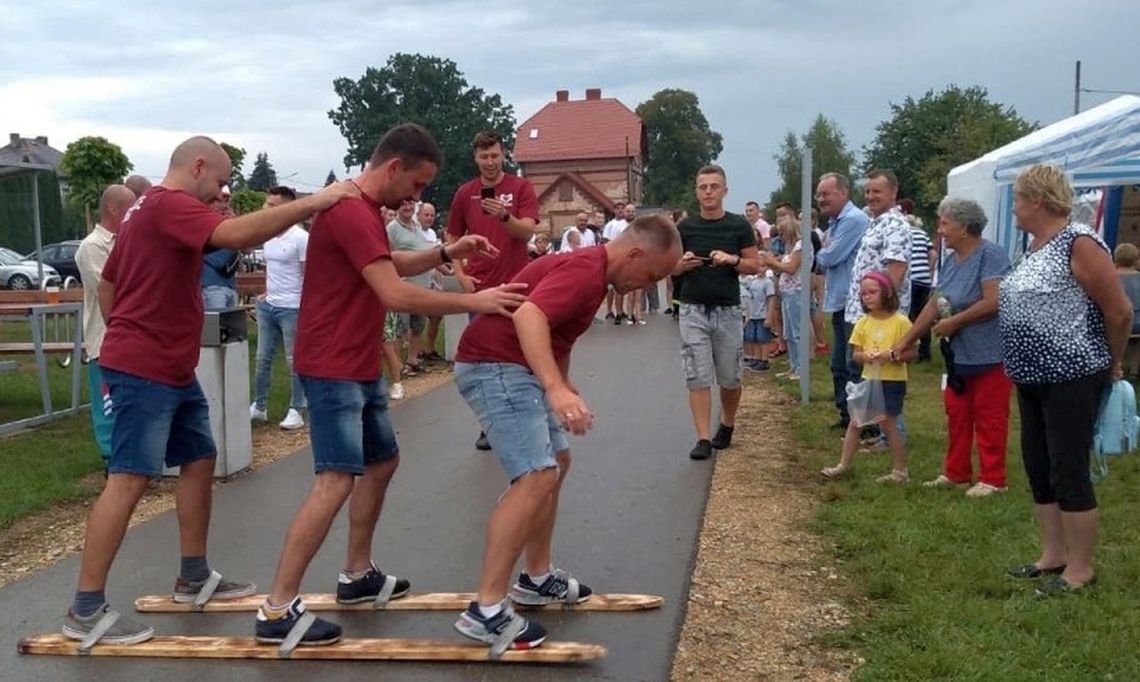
pixel 351 649
pixel 437 601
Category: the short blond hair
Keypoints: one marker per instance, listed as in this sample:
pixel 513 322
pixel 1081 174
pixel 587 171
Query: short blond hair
pixel 1125 255
pixel 1047 184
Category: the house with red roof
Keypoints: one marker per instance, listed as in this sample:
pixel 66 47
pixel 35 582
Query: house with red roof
pixel 582 155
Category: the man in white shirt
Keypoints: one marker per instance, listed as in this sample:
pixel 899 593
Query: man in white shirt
pixel 610 232
pixel 582 224
pixel 755 215
pixel 277 313
pixel 91 256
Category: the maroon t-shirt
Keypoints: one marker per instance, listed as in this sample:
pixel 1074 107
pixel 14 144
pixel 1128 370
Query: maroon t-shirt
pixel 467 217
pixel 341 323
pixel 568 288
pixel 155 327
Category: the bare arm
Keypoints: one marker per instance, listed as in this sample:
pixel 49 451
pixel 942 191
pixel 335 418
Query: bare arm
pixel 749 262
pixel 533 329
pixel 410 263
pixel 457 269
pixel 106 294
pixel 897 272
pixel 922 324
pixel 258 227
pixel 791 267
pixel 1093 268
pixel 396 294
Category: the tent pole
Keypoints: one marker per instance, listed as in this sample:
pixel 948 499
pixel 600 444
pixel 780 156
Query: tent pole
pixel 36 222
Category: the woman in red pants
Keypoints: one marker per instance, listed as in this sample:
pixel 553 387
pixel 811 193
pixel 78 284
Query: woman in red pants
pixel 963 312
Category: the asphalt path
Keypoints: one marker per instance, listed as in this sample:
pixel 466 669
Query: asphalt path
pixel 629 519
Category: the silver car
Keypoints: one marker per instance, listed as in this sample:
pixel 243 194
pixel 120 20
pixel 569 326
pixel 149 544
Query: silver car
pixel 18 273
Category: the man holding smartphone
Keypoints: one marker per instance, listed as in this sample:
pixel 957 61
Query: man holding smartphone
pixel 501 207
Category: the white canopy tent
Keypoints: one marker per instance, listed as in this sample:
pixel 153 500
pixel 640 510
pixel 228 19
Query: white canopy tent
pixel 1097 148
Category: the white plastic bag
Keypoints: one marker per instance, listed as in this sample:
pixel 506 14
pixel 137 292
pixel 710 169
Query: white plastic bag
pixel 866 403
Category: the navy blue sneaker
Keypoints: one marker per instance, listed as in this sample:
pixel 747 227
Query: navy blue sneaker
pixel 472 624
pixel 321 633
pixel 558 586
pixel 350 591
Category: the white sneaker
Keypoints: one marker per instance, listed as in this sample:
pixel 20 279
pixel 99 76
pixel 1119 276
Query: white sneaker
pixel 256 414
pixel 984 490
pixel 943 482
pixel 293 420
pixel 397 391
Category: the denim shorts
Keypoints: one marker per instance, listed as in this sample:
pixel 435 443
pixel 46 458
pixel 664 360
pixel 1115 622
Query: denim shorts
pixel 156 423
pixel 756 332
pixel 512 409
pixel 894 392
pixel 349 426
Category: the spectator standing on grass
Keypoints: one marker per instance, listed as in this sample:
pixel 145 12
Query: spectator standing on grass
pixel 790 289
pixel 425 218
pixel 757 336
pixel 1064 320
pixel 219 276
pixel 90 257
pixel 922 258
pixel 718 248
pixel 277 313
pixel 846 226
pixel 405 234
pixel 977 390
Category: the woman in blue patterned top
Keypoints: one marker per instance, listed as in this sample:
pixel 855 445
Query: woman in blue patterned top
pixel 1064 320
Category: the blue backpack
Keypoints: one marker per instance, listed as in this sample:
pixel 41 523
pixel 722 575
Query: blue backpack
pixel 1117 427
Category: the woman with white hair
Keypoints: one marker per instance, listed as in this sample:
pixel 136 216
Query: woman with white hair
pixel 964 313
pixel 1064 320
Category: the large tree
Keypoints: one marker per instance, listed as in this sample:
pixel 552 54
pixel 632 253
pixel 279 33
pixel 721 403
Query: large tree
pixel 923 139
pixel 237 159
pixel 90 164
pixel 829 154
pixel 246 200
pixel 262 177
pixel 413 88
pixel 680 142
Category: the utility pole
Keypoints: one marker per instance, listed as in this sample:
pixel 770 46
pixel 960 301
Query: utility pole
pixel 1077 91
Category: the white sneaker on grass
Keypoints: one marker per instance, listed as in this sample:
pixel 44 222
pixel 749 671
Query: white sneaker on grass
pixel 984 490
pixel 397 391
pixel 256 414
pixel 293 420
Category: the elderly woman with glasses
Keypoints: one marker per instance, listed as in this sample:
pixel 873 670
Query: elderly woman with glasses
pixel 963 312
pixel 1064 320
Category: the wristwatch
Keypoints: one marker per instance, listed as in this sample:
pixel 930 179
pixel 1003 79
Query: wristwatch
pixel 505 217
pixel 443 257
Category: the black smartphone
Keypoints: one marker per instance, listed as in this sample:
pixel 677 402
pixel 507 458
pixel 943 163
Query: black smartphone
pixel 487 193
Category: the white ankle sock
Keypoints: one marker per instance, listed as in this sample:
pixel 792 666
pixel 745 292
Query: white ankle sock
pixel 539 579
pixel 492 610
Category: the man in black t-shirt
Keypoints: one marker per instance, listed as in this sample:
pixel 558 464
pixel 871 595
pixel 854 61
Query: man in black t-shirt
pixel 718 247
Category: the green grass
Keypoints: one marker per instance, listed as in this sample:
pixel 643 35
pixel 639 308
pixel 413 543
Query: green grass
pixel 926 566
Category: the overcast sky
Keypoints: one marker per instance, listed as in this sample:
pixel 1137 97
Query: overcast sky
pixel 148 76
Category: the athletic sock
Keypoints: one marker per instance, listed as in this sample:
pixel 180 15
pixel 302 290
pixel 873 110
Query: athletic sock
pixel 538 579
pixel 274 612
pixel 87 603
pixel 491 611
pixel 194 569
pixel 353 576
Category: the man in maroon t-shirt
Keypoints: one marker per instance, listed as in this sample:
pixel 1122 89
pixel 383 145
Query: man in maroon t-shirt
pixel 337 357
pixel 149 294
pixel 515 375
pixel 504 209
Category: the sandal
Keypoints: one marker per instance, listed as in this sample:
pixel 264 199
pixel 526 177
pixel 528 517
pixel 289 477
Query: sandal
pixel 1059 585
pixel 832 473
pixel 895 476
pixel 1031 572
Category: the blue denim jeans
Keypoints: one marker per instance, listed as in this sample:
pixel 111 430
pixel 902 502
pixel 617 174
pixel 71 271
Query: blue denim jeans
pixel 219 298
pixel 790 305
pixel 349 426
pixel 275 325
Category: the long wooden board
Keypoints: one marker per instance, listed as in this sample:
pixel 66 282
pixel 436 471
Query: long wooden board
pixel 355 649
pixel 436 601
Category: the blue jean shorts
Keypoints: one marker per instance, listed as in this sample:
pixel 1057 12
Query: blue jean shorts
pixel 756 332
pixel 511 407
pixel 156 423
pixel 349 426
pixel 894 393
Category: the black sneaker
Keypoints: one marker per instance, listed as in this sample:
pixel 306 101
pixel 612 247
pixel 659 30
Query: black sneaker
pixel 321 633
pixel 609 316
pixel 472 624
pixel 702 450
pixel 723 437
pixel 555 588
pixel 350 591
pixel 482 443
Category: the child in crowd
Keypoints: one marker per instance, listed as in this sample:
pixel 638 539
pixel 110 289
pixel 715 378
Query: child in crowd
pixel 874 335
pixel 757 336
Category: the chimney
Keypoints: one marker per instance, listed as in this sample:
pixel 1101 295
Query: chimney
pixel 14 138
pixel 562 96
pixel 593 93
pixel 42 139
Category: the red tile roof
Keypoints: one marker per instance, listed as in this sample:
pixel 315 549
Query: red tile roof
pixel 579 129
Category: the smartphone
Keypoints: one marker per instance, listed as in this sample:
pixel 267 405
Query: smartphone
pixel 487 193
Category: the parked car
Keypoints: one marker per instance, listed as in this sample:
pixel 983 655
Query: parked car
pixel 17 272
pixel 61 256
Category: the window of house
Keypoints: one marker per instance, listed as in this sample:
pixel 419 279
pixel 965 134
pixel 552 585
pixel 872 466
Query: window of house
pixel 565 192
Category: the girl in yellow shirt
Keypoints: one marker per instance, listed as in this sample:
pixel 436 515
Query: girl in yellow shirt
pixel 874 335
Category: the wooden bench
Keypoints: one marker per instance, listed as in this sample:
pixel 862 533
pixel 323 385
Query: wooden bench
pixel 40 297
pixel 8 365
pixel 49 347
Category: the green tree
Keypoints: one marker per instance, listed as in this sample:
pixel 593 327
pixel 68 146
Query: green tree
pixel 924 139
pixel 680 142
pixel 413 88
pixel 245 200
pixel 90 164
pixel 58 221
pixel 262 177
pixel 330 179
pixel 829 155
pixel 237 159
